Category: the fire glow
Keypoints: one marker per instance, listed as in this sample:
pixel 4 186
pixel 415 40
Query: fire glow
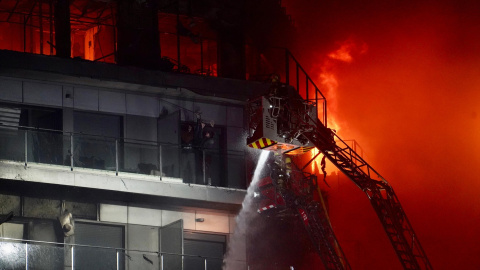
pixel 328 79
pixel 412 103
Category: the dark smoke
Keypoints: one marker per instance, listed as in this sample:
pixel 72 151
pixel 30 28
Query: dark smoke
pixel 412 102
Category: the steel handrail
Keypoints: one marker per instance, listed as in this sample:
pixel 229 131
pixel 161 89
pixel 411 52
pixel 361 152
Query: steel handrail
pixel 14 240
pixel 120 139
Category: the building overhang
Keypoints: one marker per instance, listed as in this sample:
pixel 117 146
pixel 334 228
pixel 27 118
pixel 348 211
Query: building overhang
pixel 106 75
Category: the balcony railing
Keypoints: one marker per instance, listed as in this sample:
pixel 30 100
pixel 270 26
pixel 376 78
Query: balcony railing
pixel 29 254
pixel 120 155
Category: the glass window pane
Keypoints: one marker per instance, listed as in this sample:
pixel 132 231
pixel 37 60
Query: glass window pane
pixel 45 147
pixel 98 235
pixel 142 260
pixel 12 143
pixel 45 256
pixel 13 255
pixel 94 152
pixel 139 158
pixel 170 160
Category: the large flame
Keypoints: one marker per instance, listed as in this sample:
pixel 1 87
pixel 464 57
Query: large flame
pixel 413 102
pixel 343 54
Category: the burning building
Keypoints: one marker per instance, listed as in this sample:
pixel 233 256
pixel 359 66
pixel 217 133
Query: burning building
pixel 123 132
pixel 122 129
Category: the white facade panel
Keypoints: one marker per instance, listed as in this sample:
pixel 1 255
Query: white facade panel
pixel 232 223
pixel 172 216
pixel 212 222
pixel 113 102
pixel 11 230
pixel 10 90
pixel 144 216
pixel 217 113
pixel 85 99
pixel 99 181
pixel 43 94
pixel 113 213
pixel 142 105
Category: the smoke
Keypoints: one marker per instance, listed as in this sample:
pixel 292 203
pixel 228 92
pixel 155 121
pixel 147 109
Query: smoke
pixel 412 102
pixel 236 246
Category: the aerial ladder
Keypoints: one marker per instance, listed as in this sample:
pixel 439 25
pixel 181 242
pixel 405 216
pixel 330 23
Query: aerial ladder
pixel 283 122
pixel 288 191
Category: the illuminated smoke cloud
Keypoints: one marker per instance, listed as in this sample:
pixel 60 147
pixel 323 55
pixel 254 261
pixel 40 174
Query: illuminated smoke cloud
pixel 412 102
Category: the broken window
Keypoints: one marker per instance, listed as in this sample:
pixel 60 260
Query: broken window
pixel 93 33
pixel 187 44
pixel 27 26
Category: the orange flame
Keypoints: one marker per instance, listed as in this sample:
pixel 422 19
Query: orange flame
pixel 328 79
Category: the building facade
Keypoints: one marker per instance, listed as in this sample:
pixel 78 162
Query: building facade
pixel 122 129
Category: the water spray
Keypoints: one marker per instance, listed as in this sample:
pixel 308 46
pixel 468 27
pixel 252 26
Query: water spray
pixel 234 258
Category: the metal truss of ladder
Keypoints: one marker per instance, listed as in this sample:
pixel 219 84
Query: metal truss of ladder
pixel 321 233
pixel 380 193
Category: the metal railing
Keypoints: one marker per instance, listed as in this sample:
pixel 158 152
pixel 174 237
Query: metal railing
pixel 296 76
pixel 195 165
pixel 30 254
pixel 281 62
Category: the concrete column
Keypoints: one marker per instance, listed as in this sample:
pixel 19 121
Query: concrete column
pixel 138 38
pixel 62 28
pixel 231 53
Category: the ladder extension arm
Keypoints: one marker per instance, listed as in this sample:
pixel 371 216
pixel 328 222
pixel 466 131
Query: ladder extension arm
pixel 380 193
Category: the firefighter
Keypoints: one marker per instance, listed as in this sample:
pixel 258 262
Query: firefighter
pixel 204 141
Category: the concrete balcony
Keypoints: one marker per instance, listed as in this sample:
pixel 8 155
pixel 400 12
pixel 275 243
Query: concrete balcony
pixel 121 166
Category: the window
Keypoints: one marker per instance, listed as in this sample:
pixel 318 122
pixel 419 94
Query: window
pixel 100 235
pixel 27 26
pixel 211 246
pixel 93 30
pixel 95 148
pixel 187 44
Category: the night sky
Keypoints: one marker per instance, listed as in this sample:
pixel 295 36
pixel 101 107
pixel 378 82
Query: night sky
pixel 409 94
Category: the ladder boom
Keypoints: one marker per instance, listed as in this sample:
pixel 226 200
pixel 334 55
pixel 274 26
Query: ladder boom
pixel 288 124
pixel 381 195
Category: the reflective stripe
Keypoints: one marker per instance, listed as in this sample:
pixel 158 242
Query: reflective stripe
pixel 265 208
pixel 262 143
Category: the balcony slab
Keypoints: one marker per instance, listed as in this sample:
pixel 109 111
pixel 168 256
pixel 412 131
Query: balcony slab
pixel 167 188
